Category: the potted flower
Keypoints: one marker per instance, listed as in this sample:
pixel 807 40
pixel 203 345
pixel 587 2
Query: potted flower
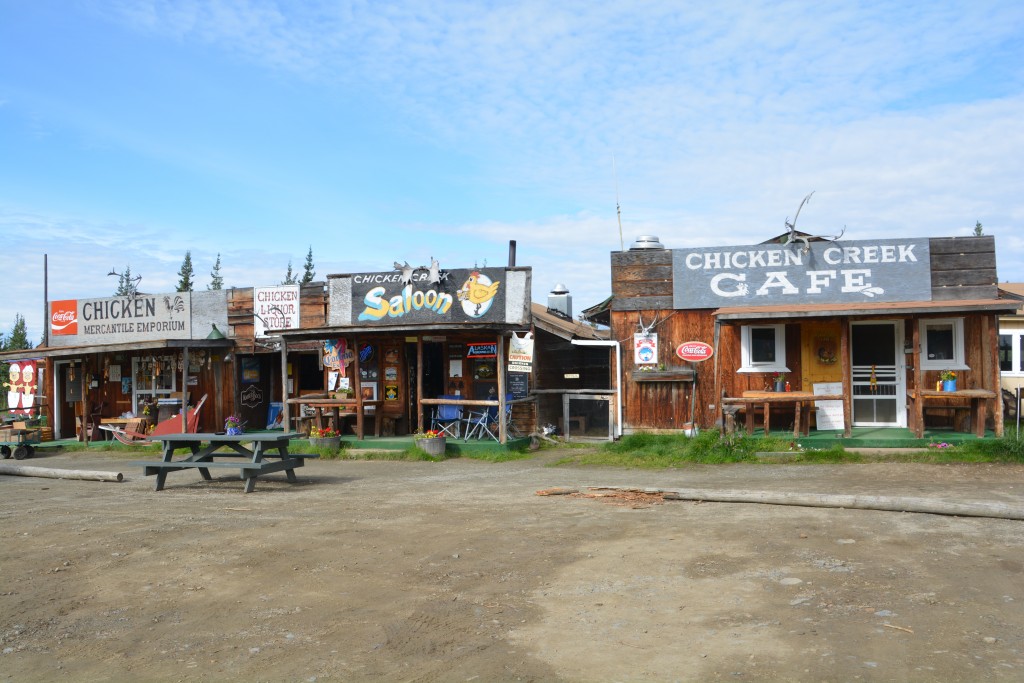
pixel 431 442
pixel 779 380
pixel 232 424
pixel 328 437
pixel 948 378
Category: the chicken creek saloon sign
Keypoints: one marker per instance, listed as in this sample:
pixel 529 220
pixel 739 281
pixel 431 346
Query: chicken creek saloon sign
pixel 818 273
pixel 456 296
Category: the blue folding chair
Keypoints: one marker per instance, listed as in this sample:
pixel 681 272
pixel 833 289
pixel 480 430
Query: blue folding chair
pixel 447 419
pixel 478 423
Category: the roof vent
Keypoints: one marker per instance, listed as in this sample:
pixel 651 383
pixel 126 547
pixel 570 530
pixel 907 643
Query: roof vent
pixel 647 242
pixel 560 301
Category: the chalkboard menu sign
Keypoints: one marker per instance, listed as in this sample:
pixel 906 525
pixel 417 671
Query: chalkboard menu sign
pixel 517 384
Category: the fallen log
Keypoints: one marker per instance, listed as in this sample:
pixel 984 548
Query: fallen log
pixel 52 473
pixel 828 500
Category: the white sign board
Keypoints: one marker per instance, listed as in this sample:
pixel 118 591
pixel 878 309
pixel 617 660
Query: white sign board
pixel 830 413
pixel 645 349
pixel 275 308
pixel 520 353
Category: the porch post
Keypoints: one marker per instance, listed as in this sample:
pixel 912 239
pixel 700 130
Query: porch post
pixel 358 389
pixel 502 427
pixel 991 322
pixel 184 391
pixel 285 412
pixel 419 383
pixel 844 354
pixel 917 408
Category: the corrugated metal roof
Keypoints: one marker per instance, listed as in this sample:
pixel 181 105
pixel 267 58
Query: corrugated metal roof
pixel 880 308
pixel 562 327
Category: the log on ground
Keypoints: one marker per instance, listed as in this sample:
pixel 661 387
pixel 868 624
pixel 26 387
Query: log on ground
pixel 52 473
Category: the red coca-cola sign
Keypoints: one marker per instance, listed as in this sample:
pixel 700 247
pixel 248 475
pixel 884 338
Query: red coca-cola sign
pixel 694 351
pixel 64 317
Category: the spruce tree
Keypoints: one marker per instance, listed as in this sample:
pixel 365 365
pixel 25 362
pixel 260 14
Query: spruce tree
pixel 309 273
pixel 185 274
pixel 289 278
pixel 977 229
pixel 125 283
pixel 217 281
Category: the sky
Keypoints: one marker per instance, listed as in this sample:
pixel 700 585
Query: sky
pixel 374 132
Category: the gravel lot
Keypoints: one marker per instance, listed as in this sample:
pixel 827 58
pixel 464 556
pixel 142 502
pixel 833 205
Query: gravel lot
pixel 457 571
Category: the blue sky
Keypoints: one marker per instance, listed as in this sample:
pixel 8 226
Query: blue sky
pixel 131 131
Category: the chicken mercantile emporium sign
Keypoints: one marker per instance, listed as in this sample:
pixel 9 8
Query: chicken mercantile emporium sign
pixel 816 273
pixel 476 295
pixel 123 319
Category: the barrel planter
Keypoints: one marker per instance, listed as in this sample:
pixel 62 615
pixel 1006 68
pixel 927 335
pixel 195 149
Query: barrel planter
pixel 332 443
pixel 433 447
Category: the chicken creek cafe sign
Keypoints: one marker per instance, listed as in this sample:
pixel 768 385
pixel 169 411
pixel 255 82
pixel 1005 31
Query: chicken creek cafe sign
pixel 123 318
pixel 816 273
pixel 456 296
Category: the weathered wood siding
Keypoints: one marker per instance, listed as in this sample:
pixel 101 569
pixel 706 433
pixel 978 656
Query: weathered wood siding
pixel 963 268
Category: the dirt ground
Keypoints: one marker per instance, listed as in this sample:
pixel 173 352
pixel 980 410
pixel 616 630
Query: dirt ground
pixel 457 571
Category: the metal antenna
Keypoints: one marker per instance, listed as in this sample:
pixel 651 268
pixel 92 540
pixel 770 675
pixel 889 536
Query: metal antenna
pixel 618 210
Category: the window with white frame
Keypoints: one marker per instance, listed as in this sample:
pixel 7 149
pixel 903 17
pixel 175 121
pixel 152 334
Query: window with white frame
pixel 763 348
pixel 1011 352
pixel 942 344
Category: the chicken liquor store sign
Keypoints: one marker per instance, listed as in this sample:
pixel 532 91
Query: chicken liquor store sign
pixel 123 318
pixel 476 295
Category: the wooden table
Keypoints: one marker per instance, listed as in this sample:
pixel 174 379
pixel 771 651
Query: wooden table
pixel 335 405
pixel 251 460
pixel 977 405
pixel 802 418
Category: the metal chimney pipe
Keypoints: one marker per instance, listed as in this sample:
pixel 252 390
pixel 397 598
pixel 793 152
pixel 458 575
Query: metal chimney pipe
pixel 511 253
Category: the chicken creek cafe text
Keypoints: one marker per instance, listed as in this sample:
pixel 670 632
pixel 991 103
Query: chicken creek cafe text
pixel 816 273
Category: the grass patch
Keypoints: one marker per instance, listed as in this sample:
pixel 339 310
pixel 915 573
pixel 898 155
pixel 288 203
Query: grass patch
pixel 658 451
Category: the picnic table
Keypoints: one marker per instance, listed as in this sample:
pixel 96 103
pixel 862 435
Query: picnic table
pixel 250 453
pixel 802 402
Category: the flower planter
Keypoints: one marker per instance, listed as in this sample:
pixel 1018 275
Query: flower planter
pixel 949 385
pixel 433 447
pixel 327 442
pixel 780 386
pixel 233 431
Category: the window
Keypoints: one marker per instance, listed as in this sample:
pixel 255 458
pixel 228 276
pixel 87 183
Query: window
pixel 763 348
pixel 1011 352
pixel 942 344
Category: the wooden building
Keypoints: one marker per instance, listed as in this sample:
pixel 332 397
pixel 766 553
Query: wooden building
pixel 399 343
pixel 871 324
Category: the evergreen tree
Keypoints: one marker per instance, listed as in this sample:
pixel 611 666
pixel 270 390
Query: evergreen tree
pixel 289 278
pixel 977 229
pixel 218 280
pixel 18 338
pixel 125 283
pixel 185 274
pixel 309 273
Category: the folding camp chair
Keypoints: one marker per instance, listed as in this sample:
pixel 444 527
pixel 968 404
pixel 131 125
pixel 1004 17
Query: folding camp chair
pixel 171 425
pixel 447 419
pixel 479 422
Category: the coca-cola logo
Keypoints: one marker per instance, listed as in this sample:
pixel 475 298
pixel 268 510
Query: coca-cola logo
pixel 64 317
pixel 694 351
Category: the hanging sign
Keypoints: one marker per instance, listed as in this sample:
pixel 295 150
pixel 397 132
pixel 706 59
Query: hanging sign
pixel 694 351
pixel 520 353
pixel 645 349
